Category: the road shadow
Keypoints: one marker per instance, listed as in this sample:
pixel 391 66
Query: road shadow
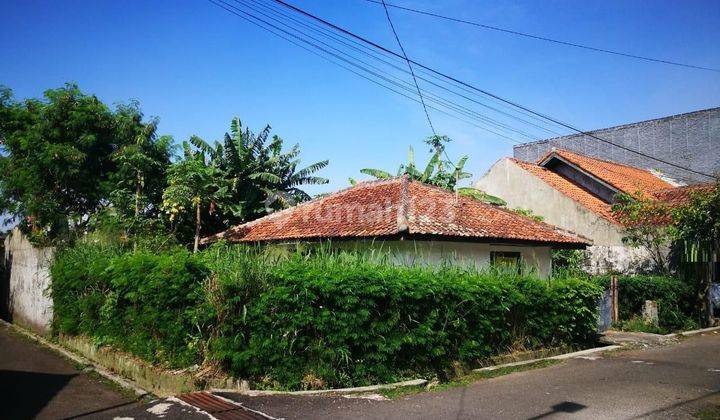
pixel 563 407
pixel 24 394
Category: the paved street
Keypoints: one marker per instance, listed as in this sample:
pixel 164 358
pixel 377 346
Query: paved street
pixel 35 382
pixel 668 382
pixel 673 381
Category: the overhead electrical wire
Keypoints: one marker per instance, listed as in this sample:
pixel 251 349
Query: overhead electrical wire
pixel 288 37
pixel 435 98
pixel 543 38
pixel 374 54
pixel 407 60
pixel 441 101
pixel 485 92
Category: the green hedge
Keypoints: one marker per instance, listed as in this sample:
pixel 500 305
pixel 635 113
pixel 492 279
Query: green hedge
pixel 302 321
pixel 675 299
pixel 147 304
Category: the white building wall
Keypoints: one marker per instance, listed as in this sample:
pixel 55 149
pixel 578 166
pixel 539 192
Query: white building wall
pixel 520 188
pixel 468 254
pixel 29 302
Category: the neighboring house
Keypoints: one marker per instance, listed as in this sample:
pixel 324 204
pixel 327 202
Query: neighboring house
pixel 690 140
pixel 412 223
pixel 576 192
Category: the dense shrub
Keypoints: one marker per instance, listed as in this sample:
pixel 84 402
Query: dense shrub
pixel 675 298
pixel 342 320
pixel 148 304
pixel 293 320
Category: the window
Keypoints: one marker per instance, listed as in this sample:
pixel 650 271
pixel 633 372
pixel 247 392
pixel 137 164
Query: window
pixel 505 260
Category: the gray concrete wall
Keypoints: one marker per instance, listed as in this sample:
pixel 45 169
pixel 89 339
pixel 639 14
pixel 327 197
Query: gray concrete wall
pixel 28 301
pixel 520 188
pixel 691 140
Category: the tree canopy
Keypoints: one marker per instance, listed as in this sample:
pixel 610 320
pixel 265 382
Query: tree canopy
pixel 56 157
pixel 70 164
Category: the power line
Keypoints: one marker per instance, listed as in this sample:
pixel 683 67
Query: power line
pixel 542 38
pixel 372 53
pixel 485 92
pixel 412 72
pixel 249 16
pixel 434 98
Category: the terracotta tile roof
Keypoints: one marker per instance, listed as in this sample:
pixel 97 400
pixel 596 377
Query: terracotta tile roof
pixel 570 189
pixel 680 195
pixel 625 178
pixel 398 207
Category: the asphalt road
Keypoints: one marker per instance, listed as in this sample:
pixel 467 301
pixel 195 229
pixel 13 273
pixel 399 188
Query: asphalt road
pixel 673 381
pixel 36 382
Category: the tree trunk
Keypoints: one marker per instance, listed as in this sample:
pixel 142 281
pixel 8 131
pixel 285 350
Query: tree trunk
pixel 197 227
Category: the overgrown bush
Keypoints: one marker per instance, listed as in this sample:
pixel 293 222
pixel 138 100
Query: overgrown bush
pixel 339 320
pixel 296 320
pixel 148 304
pixel 675 299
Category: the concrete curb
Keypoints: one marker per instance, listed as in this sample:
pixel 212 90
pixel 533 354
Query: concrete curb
pixel 257 393
pixel 120 381
pixel 693 332
pixel 558 357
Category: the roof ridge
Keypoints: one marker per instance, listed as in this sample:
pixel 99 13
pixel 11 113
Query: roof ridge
pixel 279 213
pixel 522 163
pixel 402 213
pixel 504 209
pixel 612 162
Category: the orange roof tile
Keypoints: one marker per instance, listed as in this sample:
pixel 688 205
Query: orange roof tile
pixel 570 189
pixel 624 178
pixel 680 195
pixel 398 207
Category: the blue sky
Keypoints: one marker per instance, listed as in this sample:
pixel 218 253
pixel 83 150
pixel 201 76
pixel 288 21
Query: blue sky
pixel 196 66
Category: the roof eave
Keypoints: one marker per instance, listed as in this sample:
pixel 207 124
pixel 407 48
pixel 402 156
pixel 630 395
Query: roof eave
pixel 579 244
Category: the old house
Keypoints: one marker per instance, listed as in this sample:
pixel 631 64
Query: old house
pixel 413 223
pixel 577 192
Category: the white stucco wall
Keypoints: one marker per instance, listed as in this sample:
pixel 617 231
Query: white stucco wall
pixel 520 188
pixel 467 254
pixel 30 305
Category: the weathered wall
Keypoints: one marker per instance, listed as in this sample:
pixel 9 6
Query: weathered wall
pixel 691 140
pixel 520 188
pixel 28 302
pixel 458 253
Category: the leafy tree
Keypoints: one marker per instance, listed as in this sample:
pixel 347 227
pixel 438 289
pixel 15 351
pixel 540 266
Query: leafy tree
pixel 263 176
pixel 194 185
pixel 56 158
pixel 697 224
pixel 140 177
pixel 438 171
pixel 647 226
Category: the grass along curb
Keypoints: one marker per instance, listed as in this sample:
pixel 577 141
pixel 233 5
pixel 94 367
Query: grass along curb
pixel 693 332
pixel 558 357
pixel 359 389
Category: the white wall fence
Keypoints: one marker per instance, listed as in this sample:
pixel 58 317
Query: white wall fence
pixel 24 294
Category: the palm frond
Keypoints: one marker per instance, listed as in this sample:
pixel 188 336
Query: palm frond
pixel 430 168
pixel 377 173
pixel 203 146
pixel 311 169
pixel 266 176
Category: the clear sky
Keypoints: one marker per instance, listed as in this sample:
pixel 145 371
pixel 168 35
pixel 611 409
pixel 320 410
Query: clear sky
pixel 196 66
